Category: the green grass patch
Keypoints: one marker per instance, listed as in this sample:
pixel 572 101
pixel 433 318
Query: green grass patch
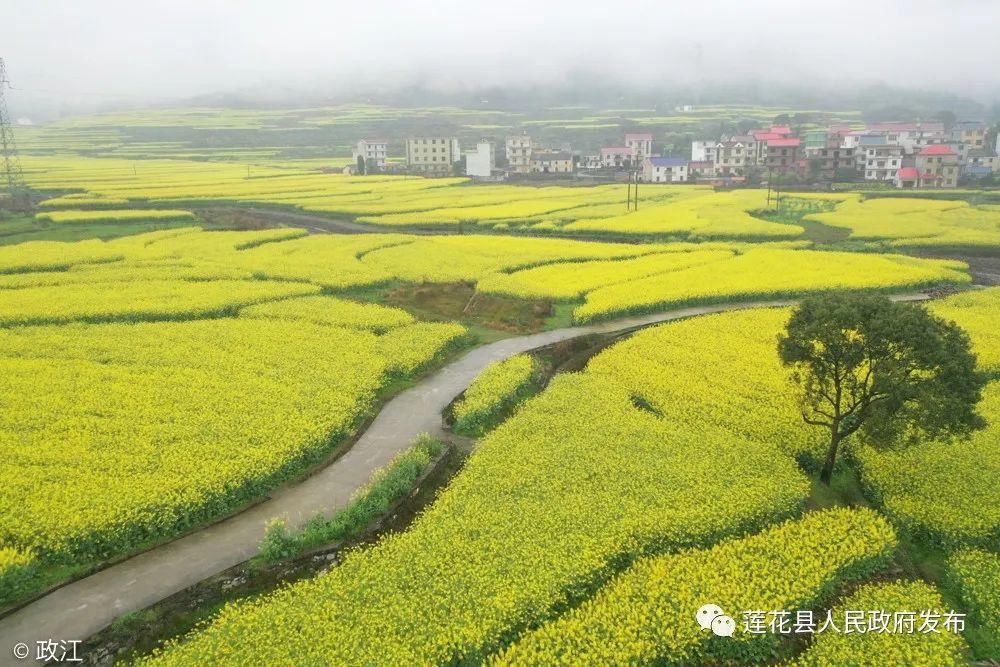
pixel 386 488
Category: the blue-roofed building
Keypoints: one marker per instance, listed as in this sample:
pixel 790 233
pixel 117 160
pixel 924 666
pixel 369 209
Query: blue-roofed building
pixel 977 171
pixel 980 157
pixel 877 139
pixel 665 170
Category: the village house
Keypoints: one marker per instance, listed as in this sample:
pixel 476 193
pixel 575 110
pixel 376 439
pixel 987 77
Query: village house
pixel 814 139
pixel 784 155
pixel 641 144
pixel 664 170
pixel 617 157
pixel 481 162
pixel 976 172
pixel 590 162
pixel 373 151
pixel 907 177
pixel 911 136
pixel 701 169
pixel 882 162
pixel 519 154
pixel 937 166
pixel 825 154
pixel 761 137
pixel 971 133
pixel 432 156
pixel 729 158
pixel 702 149
pixel 749 147
pixel 980 157
pixel 552 162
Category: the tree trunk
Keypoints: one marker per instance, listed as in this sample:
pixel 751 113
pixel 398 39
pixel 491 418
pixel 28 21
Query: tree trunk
pixel 831 456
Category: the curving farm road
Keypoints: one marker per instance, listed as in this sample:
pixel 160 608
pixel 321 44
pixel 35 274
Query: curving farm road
pixel 88 605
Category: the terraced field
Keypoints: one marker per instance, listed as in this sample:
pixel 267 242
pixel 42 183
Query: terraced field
pixel 599 484
pixel 157 381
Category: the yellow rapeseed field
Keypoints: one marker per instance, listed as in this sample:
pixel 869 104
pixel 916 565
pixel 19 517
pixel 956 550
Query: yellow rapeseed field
pixel 916 222
pixel 155 381
pixel 497 387
pixel 975 574
pixel 111 216
pixel 767 273
pixel 943 648
pixel 577 481
pixel 647 615
pixel 678 211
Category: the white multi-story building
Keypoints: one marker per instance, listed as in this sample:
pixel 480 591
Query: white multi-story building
pixel 729 158
pixel 480 162
pixel 433 156
pixel 641 143
pixel 664 170
pixel 373 151
pixel 519 154
pixel 882 162
pixel 911 136
pixel 702 150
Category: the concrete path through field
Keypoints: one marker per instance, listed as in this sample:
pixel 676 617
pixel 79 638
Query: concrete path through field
pixel 84 607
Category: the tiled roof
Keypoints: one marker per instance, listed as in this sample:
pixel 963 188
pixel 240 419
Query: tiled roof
pixel 908 173
pixel 937 149
pixel 616 150
pixel 641 136
pixel 668 162
pixel 783 143
pixel 765 136
pixel 781 129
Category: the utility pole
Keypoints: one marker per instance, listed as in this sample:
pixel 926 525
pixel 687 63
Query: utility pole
pixel 12 174
pixel 635 207
pixel 628 196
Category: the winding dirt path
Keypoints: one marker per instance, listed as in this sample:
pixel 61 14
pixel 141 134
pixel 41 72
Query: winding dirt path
pixel 88 605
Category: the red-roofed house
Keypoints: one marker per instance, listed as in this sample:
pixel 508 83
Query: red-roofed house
pixel 937 149
pixel 764 135
pixel 783 130
pixel 938 166
pixel 641 143
pixel 783 155
pixel 907 177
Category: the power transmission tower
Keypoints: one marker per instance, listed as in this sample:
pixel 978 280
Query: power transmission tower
pixel 12 174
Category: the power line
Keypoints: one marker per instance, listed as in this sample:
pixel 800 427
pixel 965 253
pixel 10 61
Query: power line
pixel 14 177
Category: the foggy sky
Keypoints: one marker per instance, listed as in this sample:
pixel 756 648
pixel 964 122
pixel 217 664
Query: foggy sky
pixel 149 49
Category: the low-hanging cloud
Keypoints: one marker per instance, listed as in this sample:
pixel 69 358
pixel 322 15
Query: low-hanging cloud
pixel 157 50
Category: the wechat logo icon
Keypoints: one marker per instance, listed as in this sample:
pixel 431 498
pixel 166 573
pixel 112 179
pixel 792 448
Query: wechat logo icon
pixel 711 617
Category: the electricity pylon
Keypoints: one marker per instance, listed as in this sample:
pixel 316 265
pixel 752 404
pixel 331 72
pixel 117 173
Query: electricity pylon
pixel 13 177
